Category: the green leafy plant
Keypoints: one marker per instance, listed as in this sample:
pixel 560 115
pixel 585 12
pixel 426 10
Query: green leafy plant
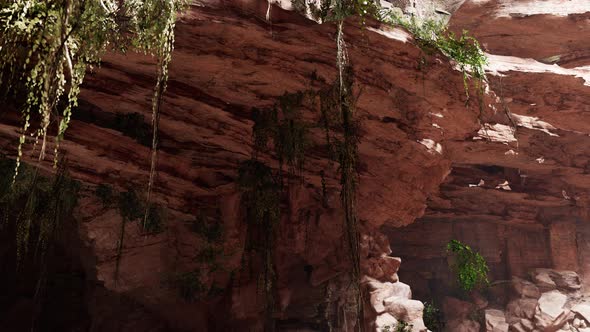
pixel 433 35
pixel 470 268
pixel 433 317
pixel 401 326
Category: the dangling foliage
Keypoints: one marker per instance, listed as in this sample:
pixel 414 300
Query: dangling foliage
pixel 46 47
pixel 261 198
pixel 433 35
pixel 283 126
pixel 38 205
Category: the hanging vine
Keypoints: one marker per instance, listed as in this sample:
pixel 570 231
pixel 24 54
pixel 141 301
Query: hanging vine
pixel 46 47
pixel 281 128
pixel 37 204
pixel 261 197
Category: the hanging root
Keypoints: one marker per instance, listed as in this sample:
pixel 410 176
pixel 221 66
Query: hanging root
pixel 164 58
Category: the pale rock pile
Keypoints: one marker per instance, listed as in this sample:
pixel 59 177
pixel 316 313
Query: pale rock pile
pixel 550 301
pixel 389 301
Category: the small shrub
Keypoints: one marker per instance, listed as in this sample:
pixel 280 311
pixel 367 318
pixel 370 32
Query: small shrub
pixel 469 266
pixel 433 317
pixel 106 194
pixel 400 327
pixel 403 327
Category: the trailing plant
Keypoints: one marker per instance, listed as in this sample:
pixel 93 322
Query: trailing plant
pixel 470 268
pixel 340 97
pixel 283 126
pixel 47 45
pixel 130 209
pixel 130 206
pixel 38 205
pixel 433 35
pixel 261 198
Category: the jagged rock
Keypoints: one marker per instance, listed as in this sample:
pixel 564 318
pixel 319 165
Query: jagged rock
pixel 385 320
pixel 517 327
pixel 457 309
pixel 479 300
pixel 550 313
pixel 523 325
pixel 386 292
pixel 525 288
pixel 579 323
pixel 583 310
pixel 382 268
pixel 527 324
pixel 520 308
pixel 566 280
pixel 495 321
pixel 404 309
pixel 460 325
pixel 543 280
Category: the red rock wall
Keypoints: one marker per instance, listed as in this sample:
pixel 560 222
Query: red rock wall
pixel 227 60
pixel 543 220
